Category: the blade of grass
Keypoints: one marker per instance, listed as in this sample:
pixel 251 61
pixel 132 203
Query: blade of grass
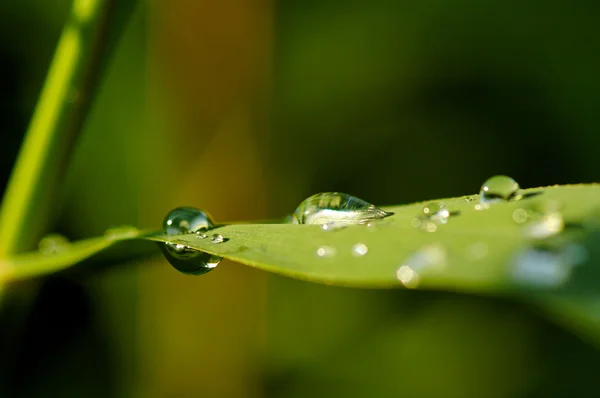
pixel 60 112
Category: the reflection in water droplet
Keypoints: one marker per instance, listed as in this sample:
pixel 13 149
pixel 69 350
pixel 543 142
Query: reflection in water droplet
pixel 436 212
pixel 338 208
pixel 430 257
pixel 122 232
pixel 359 250
pixel 519 216
pixel 326 251
pixel 53 243
pixel 217 238
pixel 332 226
pixel 499 189
pixel 185 220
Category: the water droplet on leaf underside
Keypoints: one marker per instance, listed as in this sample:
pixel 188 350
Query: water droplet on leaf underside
pixel 183 220
pixel 53 243
pixel 499 189
pixel 336 208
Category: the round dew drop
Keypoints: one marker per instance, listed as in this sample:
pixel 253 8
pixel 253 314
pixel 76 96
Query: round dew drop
pixel 183 220
pixel 499 189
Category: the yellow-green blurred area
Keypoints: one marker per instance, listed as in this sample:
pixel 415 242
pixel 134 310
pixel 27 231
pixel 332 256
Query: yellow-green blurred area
pixel 244 108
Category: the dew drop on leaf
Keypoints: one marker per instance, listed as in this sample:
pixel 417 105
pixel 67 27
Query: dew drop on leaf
pixel 436 212
pixel 189 261
pixel 326 251
pixel 337 208
pixel 217 238
pixel 183 220
pixel 430 257
pixel 499 189
pixel 53 243
pixel 359 250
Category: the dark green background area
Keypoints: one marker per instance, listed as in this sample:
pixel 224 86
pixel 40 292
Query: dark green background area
pixel 392 101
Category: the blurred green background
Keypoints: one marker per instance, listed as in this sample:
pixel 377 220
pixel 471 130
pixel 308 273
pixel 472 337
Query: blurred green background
pixel 244 108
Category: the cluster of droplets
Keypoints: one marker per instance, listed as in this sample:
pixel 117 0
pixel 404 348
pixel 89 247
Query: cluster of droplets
pixel 188 220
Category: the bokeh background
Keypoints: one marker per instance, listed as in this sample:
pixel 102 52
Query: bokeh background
pixel 246 107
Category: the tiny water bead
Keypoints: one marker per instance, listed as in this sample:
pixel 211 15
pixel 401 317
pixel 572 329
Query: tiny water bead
pixel 217 238
pixel 499 189
pixel 436 212
pixel 53 243
pixel 427 258
pixel 337 208
pixel 326 251
pixel 183 258
pixel 359 250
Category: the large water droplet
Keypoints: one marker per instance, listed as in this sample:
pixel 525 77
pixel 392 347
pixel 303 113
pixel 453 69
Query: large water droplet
pixel 53 243
pixel 545 218
pixel 337 208
pixel 499 189
pixel 217 238
pixel 185 259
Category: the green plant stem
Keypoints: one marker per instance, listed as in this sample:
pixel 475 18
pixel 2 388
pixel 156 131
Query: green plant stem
pixel 30 199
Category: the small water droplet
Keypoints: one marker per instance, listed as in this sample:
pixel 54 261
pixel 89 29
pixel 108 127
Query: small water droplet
pixel 470 199
pixel 427 258
pixel 499 189
pixel 53 243
pixel 326 251
pixel 519 216
pixel 185 220
pixel 217 238
pixel 337 208
pixel 122 232
pixel 547 226
pixel 436 212
pixel 359 250
pixel 201 235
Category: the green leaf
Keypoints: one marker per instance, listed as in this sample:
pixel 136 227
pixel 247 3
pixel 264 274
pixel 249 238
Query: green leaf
pixel 482 251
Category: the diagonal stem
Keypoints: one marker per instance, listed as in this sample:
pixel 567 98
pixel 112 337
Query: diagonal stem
pixel 30 198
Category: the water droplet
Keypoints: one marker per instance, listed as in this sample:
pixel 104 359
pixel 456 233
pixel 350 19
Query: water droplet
pixel 201 235
pixel 436 212
pixel 183 220
pixel 359 250
pixel 183 258
pixel 427 258
pixel 470 199
pixel 338 208
pixel 53 243
pixel 122 232
pixel 217 238
pixel 326 251
pixel 499 189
